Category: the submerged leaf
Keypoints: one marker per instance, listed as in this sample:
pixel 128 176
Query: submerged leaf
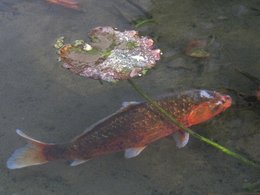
pixel 59 43
pixel 196 49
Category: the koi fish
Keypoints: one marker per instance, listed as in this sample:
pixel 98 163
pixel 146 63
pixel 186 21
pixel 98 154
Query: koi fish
pixel 131 129
pixel 65 3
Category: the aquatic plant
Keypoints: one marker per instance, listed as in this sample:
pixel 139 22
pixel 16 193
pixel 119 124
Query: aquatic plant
pixel 112 56
pixel 252 99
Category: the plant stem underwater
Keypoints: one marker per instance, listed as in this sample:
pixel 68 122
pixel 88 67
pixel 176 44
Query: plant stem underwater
pixel 188 130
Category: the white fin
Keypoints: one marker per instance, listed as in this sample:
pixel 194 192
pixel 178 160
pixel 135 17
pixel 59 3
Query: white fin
pixel 29 139
pixel 77 162
pixel 133 152
pixel 181 138
pixel 30 154
pixel 125 104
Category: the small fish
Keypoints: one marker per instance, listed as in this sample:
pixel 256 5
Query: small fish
pixel 72 4
pixel 130 129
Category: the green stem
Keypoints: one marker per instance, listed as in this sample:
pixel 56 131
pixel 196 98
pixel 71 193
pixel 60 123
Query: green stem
pixel 144 22
pixel 192 133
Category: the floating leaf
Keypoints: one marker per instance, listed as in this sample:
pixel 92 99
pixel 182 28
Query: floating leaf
pixel 111 56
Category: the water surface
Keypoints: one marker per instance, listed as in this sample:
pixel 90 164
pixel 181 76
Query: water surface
pixel 52 105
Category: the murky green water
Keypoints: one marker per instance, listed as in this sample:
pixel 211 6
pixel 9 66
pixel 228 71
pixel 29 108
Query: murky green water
pixel 51 104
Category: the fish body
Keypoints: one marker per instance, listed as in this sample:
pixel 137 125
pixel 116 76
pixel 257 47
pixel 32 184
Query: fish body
pixel 130 129
pixel 72 4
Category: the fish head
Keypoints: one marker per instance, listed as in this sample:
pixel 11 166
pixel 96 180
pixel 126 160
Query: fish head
pixel 205 105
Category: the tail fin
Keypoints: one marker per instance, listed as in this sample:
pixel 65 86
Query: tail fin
pixel 30 154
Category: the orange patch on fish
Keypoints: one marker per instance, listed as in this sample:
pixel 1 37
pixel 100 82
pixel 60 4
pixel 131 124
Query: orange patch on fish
pixel 204 111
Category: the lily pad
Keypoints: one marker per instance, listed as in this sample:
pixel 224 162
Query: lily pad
pixel 111 55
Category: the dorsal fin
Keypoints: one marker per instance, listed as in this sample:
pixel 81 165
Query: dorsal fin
pixel 126 104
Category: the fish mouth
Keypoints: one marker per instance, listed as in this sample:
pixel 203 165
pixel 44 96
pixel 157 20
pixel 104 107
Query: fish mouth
pixel 227 101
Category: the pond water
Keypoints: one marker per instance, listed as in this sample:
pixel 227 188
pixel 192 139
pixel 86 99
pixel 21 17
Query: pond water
pixel 53 105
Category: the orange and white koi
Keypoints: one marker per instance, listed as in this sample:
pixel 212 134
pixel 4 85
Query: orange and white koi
pixel 131 129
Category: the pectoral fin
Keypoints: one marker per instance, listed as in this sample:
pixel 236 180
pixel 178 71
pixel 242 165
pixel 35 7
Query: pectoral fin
pixel 133 152
pixel 77 162
pixel 181 138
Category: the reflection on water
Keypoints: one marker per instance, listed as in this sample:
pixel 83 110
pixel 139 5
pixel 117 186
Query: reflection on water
pixel 51 104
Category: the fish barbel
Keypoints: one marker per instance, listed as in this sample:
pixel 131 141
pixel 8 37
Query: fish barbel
pixel 130 129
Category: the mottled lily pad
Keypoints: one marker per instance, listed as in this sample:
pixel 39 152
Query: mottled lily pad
pixel 110 56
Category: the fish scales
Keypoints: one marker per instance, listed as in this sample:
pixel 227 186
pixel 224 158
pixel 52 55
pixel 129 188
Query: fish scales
pixel 131 129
